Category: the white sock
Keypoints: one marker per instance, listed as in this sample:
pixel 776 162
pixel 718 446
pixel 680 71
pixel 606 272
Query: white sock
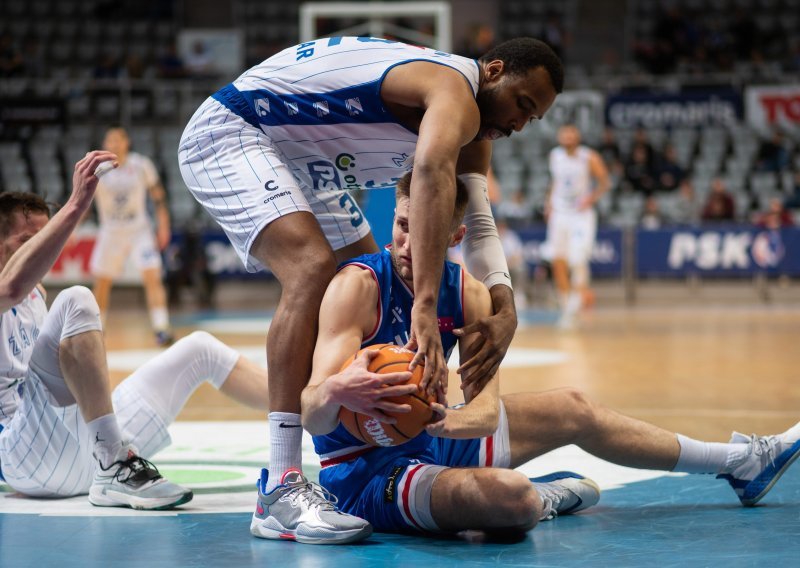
pixel 285 446
pixel 573 303
pixel 107 438
pixel 159 318
pixel 708 457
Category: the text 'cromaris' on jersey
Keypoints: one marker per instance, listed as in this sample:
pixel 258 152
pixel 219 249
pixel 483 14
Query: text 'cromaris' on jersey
pixel 320 104
pixel 571 178
pixel 19 329
pixel 122 192
pixel 394 326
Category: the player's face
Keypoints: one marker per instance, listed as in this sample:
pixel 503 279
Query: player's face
pixel 508 102
pixel 116 141
pixel 569 137
pixel 401 243
pixel 22 229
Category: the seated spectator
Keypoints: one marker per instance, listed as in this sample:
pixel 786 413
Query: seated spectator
pixel 775 217
pixel 609 151
pixel 772 154
pixel 670 174
pixel 170 65
pixel 639 176
pixel 11 62
pixel 652 217
pixel 686 210
pixel 107 67
pixel 719 205
pixel 200 63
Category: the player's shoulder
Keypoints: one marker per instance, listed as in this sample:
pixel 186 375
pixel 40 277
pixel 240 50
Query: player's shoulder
pixel 477 300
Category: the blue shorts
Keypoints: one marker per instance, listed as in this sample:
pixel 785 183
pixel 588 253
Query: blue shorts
pixel 391 487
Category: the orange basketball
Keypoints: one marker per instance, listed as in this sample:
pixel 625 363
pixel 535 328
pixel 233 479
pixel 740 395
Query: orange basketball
pixel 390 359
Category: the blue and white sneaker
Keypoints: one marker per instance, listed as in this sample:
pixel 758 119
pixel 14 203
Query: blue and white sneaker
pixel 564 493
pixel 768 457
pixel 303 511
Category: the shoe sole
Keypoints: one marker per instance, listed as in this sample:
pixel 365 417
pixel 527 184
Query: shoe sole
pixel 342 537
pixel 753 500
pixel 118 499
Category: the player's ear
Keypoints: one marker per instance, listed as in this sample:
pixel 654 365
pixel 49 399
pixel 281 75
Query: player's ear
pixel 458 235
pixel 494 69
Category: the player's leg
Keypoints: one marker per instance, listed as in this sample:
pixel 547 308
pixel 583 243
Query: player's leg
pixel 558 241
pixel 101 288
pixel 582 239
pixel 156 297
pixel 107 261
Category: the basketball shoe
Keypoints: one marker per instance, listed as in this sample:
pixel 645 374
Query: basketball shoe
pixel 303 511
pixel 565 492
pixel 132 481
pixel 768 457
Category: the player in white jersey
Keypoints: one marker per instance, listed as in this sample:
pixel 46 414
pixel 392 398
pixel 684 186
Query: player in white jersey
pixel 125 229
pixel 273 155
pixel 60 432
pixel 579 178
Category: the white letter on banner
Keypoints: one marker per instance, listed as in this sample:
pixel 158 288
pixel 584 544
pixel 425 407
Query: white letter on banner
pixel 708 254
pixel 734 250
pixel 682 249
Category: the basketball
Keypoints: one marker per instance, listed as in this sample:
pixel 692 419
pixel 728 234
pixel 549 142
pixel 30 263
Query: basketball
pixel 390 359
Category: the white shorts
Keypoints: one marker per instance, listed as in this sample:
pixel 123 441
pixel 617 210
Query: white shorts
pixel 244 183
pixel 115 244
pixel 571 236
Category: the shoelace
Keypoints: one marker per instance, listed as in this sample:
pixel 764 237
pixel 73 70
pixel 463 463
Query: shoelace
pixel 313 494
pixel 764 446
pixel 138 469
pixel 550 501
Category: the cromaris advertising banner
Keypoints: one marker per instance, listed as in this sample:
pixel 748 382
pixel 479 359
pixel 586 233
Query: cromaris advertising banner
pixel 767 107
pixel 606 255
pixel 719 107
pixel 734 251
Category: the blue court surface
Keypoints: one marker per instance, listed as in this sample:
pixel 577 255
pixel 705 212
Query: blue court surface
pixel 643 518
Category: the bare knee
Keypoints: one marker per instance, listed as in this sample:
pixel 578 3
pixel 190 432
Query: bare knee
pixel 580 410
pixel 520 507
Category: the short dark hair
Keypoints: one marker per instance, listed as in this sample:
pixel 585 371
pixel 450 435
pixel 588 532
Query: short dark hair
pixel 462 196
pixel 521 54
pixel 13 201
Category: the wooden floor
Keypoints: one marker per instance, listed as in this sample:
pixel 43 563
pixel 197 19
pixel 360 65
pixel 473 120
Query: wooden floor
pixel 698 369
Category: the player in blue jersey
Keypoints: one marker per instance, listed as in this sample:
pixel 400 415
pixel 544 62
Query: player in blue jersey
pixel 62 432
pixel 273 156
pixel 455 476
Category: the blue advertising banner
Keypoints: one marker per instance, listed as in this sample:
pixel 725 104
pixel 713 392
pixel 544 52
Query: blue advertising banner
pixel 719 107
pixel 606 256
pixel 719 251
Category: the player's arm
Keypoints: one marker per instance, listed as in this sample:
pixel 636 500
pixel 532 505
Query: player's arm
pixel 450 120
pixel 484 257
pixel 479 416
pixel 30 263
pixel 347 315
pixel 599 172
pixel 159 199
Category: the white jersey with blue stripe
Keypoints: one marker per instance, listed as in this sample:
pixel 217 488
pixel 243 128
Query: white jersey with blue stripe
pixel 393 326
pixel 19 329
pixel 571 178
pixel 320 104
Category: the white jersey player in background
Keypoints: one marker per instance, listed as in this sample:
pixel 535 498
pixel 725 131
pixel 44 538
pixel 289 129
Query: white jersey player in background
pixel 125 230
pixel 578 179
pixel 60 432
pixel 272 157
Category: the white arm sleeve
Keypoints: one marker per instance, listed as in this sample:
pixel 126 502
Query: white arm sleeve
pixel 483 251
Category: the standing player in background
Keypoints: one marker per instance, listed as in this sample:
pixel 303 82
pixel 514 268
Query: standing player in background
pixel 457 475
pixel 272 156
pixel 125 229
pixel 579 178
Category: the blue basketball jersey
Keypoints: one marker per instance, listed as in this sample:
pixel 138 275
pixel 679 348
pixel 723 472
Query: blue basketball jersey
pixel 394 325
pixel 320 104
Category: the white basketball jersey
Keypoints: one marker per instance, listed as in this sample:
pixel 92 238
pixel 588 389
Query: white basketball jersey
pixel 122 192
pixel 19 329
pixel 320 104
pixel 571 178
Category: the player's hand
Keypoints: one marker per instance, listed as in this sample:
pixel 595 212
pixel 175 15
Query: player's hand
pixel 586 202
pixel 483 356
pixel 163 237
pixel 84 182
pixel 439 427
pixel 427 342
pixel 360 390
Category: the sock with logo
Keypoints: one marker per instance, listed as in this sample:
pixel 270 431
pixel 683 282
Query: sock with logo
pixel 708 457
pixel 285 446
pixel 106 437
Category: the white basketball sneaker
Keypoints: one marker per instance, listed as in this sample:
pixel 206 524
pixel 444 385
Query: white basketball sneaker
pixel 132 481
pixel 768 457
pixel 305 512
pixel 564 493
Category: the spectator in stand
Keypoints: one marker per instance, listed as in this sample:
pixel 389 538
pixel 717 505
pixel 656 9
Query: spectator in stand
pixel 199 63
pixel 170 65
pixel 772 154
pixel 12 63
pixel 641 138
pixel 480 39
pixel 554 34
pixel 652 217
pixel 609 151
pixel 775 217
pixel 107 67
pixel 719 205
pixel 639 176
pixel 793 201
pixel 670 173
pixel 686 210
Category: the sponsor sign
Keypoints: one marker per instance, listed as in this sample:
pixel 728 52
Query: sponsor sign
pixel 768 107
pixel 722 107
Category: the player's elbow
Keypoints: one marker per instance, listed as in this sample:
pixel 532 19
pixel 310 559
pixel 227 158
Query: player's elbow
pixel 11 294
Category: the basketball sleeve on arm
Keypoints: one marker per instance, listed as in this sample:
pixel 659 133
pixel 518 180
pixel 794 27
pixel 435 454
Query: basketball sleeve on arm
pixel 483 251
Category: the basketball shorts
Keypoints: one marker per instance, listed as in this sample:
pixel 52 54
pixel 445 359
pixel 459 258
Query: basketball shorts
pixel 238 176
pixel 571 236
pixel 394 494
pixel 116 243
